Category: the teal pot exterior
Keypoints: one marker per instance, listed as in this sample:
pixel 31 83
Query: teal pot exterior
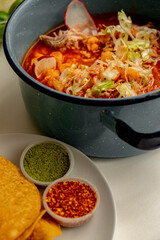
pixel 84 126
pixel 77 125
pixel 108 128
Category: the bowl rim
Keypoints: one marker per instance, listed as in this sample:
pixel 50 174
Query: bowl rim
pixel 15 65
pixel 63 145
pixel 71 220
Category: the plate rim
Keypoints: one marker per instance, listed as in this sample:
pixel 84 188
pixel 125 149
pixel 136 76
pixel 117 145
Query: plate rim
pixel 88 159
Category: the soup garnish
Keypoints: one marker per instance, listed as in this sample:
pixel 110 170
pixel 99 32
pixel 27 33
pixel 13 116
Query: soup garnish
pixel 120 59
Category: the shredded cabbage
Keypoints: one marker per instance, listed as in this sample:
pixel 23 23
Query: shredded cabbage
pixel 109 75
pixel 138 44
pixel 104 86
pixel 126 90
pixel 65 75
pixel 128 70
pixel 125 23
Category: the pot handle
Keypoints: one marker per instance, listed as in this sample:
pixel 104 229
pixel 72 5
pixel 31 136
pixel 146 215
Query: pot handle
pixel 144 141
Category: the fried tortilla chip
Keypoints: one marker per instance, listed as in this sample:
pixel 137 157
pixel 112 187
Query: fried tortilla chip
pixel 45 229
pixel 25 235
pixel 20 201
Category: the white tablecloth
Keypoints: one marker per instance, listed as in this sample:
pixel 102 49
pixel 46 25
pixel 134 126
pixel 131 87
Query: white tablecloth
pixel 134 181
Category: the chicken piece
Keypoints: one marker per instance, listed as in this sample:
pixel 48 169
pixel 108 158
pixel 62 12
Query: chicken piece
pixel 55 42
pixel 67 38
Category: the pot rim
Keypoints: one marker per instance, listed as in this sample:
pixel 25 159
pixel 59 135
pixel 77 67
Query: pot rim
pixel 15 65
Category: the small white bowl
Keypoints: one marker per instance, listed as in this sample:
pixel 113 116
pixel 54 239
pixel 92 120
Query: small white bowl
pixel 72 222
pixel 56 142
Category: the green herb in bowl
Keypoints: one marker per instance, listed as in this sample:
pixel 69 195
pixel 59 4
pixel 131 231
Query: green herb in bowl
pixel 45 162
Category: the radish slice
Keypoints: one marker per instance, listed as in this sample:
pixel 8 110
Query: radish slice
pixel 43 64
pixel 77 17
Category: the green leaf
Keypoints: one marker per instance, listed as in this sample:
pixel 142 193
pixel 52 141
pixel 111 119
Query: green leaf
pixel 2 27
pixel 126 90
pixel 3 20
pixel 14 6
pixel 4 16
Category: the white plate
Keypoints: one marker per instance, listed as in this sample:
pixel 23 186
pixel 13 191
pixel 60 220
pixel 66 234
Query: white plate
pixel 102 225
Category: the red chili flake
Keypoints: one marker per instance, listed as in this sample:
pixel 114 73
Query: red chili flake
pixel 71 199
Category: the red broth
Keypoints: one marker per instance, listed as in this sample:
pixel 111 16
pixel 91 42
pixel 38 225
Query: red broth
pixel 126 81
pixel 40 48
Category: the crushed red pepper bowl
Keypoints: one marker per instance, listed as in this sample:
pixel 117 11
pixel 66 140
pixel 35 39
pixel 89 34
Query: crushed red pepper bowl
pixel 54 142
pixel 71 221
